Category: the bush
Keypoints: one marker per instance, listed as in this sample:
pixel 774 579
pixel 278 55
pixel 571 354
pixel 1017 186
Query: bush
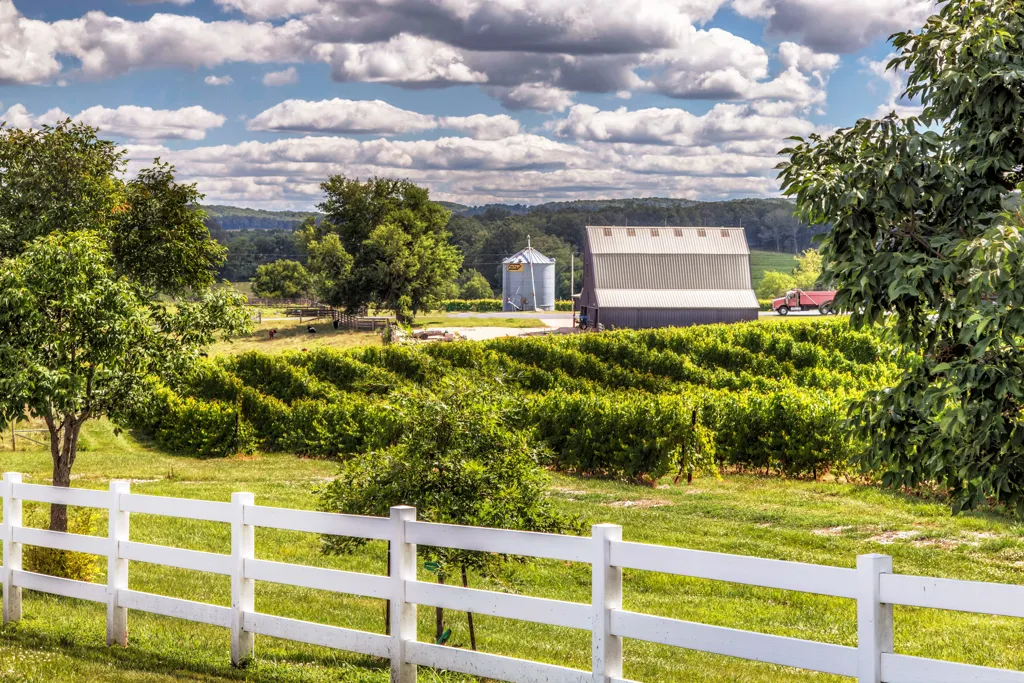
pixel 61 563
pixel 472 305
pixel 774 284
pixel 765 304
pixel 563 305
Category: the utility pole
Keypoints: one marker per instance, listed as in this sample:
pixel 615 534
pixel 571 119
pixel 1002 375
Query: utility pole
pixel 533 284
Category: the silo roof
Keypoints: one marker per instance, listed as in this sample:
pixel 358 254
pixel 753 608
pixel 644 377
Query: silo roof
pixel 667 240
pixel 528 255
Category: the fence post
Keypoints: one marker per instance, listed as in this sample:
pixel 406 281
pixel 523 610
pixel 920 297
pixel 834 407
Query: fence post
pixel 874 619
pixel 117 568
pixel 243 594
pixel 403 614
pixel 12 550
pixel 606 595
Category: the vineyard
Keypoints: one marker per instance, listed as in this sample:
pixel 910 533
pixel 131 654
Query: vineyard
pixel 631 405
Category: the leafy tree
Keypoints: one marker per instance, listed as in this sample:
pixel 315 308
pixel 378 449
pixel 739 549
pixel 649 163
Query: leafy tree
pixel 473 285
pixel 396 237
pixel 459 462
pixel 922 240
pixel 282 279
pixel 808 269
pixel 775 284
pixel 87 259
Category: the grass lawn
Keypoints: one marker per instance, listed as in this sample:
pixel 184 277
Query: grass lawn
pixel 447 321
pixel 763 261
pixel 293 336
pixel 829 523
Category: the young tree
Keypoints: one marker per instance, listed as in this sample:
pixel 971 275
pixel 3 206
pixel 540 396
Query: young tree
pixel 808 269
pixel 923 241
pixel 283 279
pixel 396 237
pixel 473 285
pixel 459 462
pixel 774 284
pixel 86 260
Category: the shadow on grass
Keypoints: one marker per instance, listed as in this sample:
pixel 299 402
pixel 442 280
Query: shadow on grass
pixel 170 663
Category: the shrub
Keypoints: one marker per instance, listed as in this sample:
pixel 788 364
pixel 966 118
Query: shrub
pixel 472 305
pixel 62 563
pixel 775 284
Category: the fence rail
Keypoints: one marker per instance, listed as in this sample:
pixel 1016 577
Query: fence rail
pixel 873 586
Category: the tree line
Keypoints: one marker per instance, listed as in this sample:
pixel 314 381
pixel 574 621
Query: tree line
pixel 485 236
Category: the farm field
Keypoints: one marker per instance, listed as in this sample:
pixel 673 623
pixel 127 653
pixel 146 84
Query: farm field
pixel 824 522
pixel 763 261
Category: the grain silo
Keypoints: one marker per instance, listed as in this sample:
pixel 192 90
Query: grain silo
pixel 528 281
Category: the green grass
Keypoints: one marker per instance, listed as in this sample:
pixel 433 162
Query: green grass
pixel 448 321
pixel 827 523
pixel 763 261
pixel 293 336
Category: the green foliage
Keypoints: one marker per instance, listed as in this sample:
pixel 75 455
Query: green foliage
pixel 396 237
pixel 634 437
pixel 808 269
pixel 329 264
pixel 629 405
pixel 765 304
pixel 473 285
pixel 774 285
pixel 922 240
pixel 474 305
pixel 458 461
pixel 282 279
pixel 62 563
pixel 84 259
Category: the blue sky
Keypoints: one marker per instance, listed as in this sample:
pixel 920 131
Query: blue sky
pixel 257 101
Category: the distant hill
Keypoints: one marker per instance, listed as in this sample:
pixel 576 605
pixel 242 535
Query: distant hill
pixel 236 218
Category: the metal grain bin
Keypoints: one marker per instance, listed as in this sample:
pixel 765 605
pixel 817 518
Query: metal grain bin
pixel 528 281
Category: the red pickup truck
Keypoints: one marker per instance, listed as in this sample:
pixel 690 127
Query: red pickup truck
pixel 799 300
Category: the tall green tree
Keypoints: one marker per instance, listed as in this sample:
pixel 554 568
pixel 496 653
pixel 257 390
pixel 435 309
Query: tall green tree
pixel 87 260
pixel 401 257
pixel 923 241
pixel 282 279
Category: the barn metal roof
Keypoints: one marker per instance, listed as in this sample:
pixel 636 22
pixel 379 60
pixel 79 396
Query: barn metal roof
pixel 528 255
pixel 676 298
pixel 666 240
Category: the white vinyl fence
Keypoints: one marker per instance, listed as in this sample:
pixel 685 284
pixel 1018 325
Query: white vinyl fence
pixel 872 584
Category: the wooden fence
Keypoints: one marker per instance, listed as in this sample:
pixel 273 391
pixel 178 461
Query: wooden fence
pixel 872 584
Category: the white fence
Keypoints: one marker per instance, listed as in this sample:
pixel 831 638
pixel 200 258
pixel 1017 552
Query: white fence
pixel 872 584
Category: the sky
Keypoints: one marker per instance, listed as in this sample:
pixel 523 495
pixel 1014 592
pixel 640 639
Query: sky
pixel 481 101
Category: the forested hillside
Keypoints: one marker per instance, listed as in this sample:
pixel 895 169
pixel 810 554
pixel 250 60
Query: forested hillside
pixel 487 234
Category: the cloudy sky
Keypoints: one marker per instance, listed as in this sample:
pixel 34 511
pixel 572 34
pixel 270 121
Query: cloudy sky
pixel 480 100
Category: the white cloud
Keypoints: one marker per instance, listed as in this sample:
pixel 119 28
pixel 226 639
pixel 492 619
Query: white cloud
pixel 374 117
pixel 533 96
pixel 404 59
pixel 27 48
pixel 218 80
pixel 17 116
pixel 288 76
pixel 181 3
pixel 109 46
pixel 341 116
pixel 128 122
pixel 270 9
pixel 677 127
pixel 896 82
pixel 837 25
pixel 482 126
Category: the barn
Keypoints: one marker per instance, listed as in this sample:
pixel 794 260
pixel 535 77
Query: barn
pixel 645 277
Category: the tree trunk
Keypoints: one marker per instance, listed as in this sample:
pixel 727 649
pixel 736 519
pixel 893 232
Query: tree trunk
pixel 63 449
pixel 439 614
pixel 469 615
